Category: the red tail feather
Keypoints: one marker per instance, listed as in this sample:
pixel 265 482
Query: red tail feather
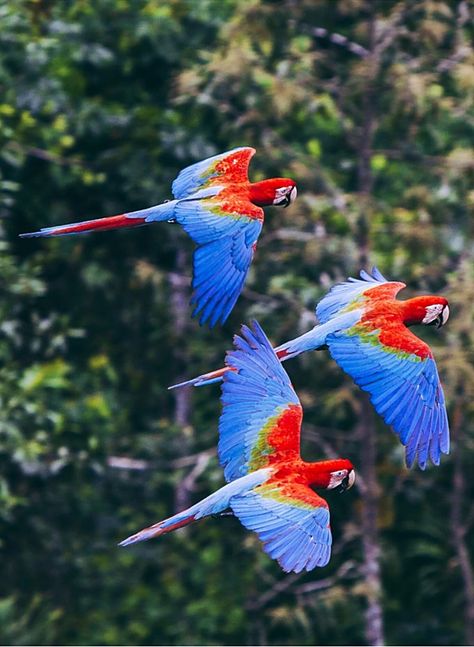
pixel 202 380
pixel 157 529
pixel 99 224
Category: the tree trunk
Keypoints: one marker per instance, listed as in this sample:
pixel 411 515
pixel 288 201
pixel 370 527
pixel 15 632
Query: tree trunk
pixel 370 537
pixel 459 530
pixel 179 311
pixel 374 630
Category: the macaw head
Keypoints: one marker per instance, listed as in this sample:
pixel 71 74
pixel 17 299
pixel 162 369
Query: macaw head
pixel 334 474
pixel 428 310
pixel 278 191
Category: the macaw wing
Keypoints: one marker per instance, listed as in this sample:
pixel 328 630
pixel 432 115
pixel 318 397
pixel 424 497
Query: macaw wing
pixel 261 413
pixel 230 167
pixel 291 520
pixel 353 292
pixel 399 372
pixel 226 229
pixel 220 270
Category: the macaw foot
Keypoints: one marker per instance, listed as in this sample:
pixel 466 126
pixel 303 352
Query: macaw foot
pixel 227 513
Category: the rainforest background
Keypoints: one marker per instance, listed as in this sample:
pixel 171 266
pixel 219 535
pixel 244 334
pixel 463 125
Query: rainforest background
pixel 368 105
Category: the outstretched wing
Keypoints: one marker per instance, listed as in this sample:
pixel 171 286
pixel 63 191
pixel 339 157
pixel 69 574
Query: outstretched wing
pixel 230 167
pixel 352 293
pixel 226 228
pixel 261 413
pixel 398 370
pixel 291 520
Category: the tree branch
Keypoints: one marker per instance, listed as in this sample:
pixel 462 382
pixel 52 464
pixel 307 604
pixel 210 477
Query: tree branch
pixel 279 587
pixel 327 582
pixel 461 50
pixel 339 40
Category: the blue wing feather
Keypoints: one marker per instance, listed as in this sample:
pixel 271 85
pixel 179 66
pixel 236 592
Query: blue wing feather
pixel 298 537
pixel 405 390
pixel 222 258
pixel 220 270
pixel 255 392
pixel 343 294
pixel 192 178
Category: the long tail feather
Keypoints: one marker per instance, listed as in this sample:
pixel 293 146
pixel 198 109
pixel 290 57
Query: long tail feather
pixel 168 525
pixel 213 504
pixel 204 379
pixel 158 213
pixel 99 224
pixel 314 339
pixel 216 376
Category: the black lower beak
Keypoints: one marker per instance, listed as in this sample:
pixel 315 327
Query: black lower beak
pixel 343 486
pixel 437 323
pixel 284 202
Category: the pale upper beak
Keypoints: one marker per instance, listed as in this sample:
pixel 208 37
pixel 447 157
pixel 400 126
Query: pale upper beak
pixel 442 318
pixel 444 315
pixel 292 197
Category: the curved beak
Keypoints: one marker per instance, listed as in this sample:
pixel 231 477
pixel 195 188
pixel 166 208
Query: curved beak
pixel 291 196
pixel 347 483
pixel 284 202
pixel 445 315
pixel 285 196
pixel 442 318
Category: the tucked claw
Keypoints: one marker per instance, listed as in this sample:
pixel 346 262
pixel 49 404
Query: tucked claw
pixel 227 513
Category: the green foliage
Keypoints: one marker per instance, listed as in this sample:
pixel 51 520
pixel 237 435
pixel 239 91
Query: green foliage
pixel 101 104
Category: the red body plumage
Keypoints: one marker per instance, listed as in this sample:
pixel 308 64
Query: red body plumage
pixel 391 317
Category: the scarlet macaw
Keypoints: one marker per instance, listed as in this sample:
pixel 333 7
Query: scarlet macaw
pixel 222 212
pixel 259 449
pixel 365 329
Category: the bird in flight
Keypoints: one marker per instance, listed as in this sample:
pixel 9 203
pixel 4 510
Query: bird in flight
pixel 366 330
pixel 268 483
pixel 221 210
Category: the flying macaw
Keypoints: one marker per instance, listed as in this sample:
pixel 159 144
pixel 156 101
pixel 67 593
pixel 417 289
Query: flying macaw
pixel 366 331
pixel 268 484
pixel 217 205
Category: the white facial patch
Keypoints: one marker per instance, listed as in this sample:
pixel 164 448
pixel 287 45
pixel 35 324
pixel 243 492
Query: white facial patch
pixel 433 312
pixel 337 478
